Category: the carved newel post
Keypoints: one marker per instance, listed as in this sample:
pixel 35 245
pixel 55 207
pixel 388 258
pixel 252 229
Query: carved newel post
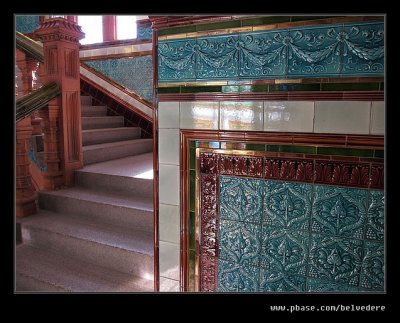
pixel 62 118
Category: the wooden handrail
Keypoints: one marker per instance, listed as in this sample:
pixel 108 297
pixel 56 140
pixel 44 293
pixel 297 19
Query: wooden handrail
pixel 36 100
pixel 29 46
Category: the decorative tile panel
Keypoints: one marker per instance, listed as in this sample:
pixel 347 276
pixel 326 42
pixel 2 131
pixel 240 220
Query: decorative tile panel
pixel 134 73
pixel 362 49
pixel 335 259
pixel 274 235
pixel 26 24
pixel 339 211
pixel 287 205
pixel 373 267
pixel 144 32
pixel 320 51
pixel 375 227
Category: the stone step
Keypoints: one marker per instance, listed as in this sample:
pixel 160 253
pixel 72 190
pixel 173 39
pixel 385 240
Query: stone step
pixel 93 111
pixel 123 249
pixel 102 122
pixel 86 100
pixel 114 150
pixel 45 271
pixel 130 212
pixel 105 135
pixel 128 176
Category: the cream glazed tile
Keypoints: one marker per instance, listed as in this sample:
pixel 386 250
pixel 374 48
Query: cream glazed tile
pixel 169 260
pixel 168 146
pixel 290 116
pixel 199 115
pixel 169 184
pixel 241 115
pixel 378 118
pixel 169 223
pixel 351 117
pixel 168 115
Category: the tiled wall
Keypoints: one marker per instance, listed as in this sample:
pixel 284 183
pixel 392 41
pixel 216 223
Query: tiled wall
pixel 277 236
pixel 287 116
pixel 26 24
pixel 135 73
pixel 144 32
pixel 339 50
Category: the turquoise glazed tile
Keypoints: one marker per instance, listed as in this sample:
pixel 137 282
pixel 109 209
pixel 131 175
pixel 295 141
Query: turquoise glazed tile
pixel 375 227
pixel 263 54
pixel 217 57
pixel 335 259
pixel 363 49
pixel 177 60
pixel 314 51
pixel 285 252
pixel 324 285
pixel 26 24
pixel 272 281
pixel 241 199
pixel 144 32
pixel 339 211
pixel 239 242
pixel 237 278
pixel 373 267
pixel 287 205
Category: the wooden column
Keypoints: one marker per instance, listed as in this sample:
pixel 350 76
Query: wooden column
pixel 62 118
pixel 109 28
pixel 25 192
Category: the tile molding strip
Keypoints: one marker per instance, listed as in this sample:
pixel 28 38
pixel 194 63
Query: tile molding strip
pixel 277 96
pixel 260 137
pixel 114 56
pixel 214 162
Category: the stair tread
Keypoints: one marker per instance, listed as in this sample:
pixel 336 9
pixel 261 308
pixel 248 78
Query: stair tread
pixel 110 129
pixel 114 144
pixel 92 230
pixel 138 166
pixel 107 198
pixel 75 275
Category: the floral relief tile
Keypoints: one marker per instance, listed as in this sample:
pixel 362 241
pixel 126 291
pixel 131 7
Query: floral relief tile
pixel 325 285
pixel 373 267
pixel 285 251
pixel 241 199
pixel 363 49
pixel 239 242
pixel 339 211
pixel 314 51
pixel 272 281
pixel 375 226
pixel 236 278
pixel 217 57
pixel 263 54
pixel 287 205
pixel 335 259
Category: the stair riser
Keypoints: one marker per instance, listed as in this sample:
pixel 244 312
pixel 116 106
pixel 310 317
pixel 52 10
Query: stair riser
pixel 124 216
pixel 90 111
pixel 119 134
pixel 99 254
pixel 103 122
pixel 25 283
pixel 127 186
pixel 86 100
pixel 109 153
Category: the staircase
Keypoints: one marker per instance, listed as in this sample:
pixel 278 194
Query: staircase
pixel 98 235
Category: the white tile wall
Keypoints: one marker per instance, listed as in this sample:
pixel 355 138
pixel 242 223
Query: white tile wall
pixel 290 116
pixel 378 118
pixel 342 117
pixel 168 146
pixel 169 285
pixel 169 184
pixel 169 221
pixel 169 260
pixel 246 116
pixel 168 115
pixel 199 115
